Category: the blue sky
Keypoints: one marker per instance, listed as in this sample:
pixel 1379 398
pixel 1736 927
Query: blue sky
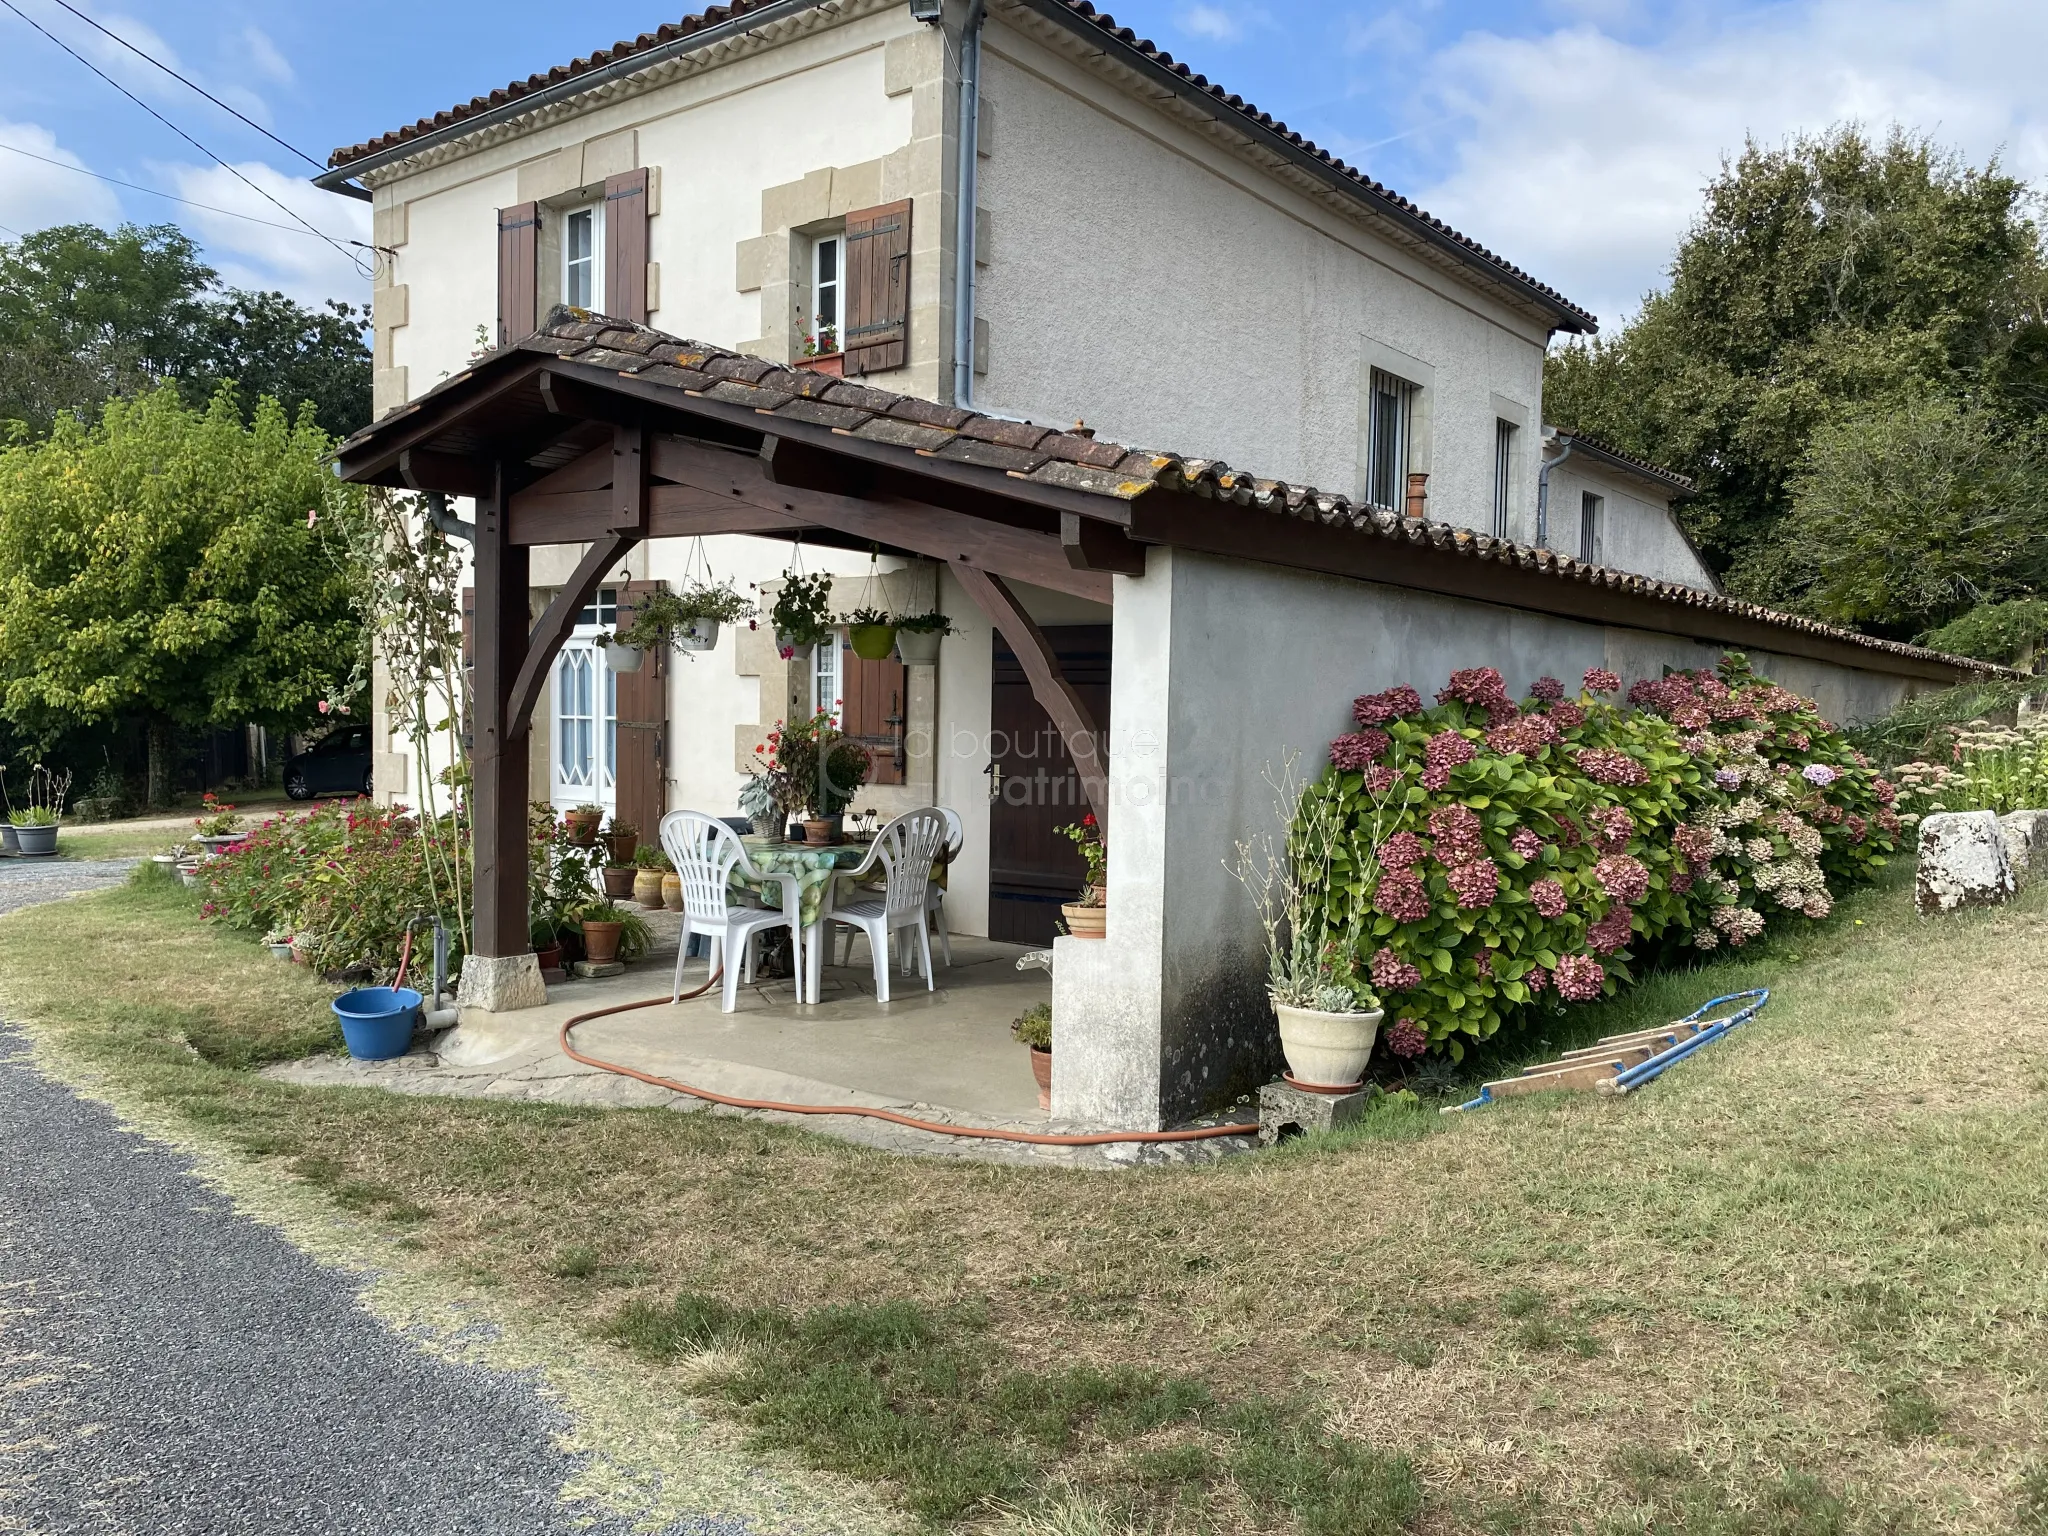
pixel 1570 135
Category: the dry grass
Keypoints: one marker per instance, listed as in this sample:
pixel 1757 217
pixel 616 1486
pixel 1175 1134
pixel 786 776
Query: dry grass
pixel 1799 1285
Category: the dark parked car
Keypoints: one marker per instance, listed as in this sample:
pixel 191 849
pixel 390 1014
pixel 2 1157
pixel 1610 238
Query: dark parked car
pixel 337 764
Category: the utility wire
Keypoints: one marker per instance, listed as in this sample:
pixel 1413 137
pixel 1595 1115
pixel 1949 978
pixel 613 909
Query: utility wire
pixel 136 186
pixel 356 261
pixel 202 90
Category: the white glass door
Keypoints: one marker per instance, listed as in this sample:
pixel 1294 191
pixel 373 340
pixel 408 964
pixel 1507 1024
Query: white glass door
pixel 586 728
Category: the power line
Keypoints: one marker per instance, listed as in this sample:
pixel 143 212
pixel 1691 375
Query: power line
pixel 136 186
pixel 289 213
pixel 317 165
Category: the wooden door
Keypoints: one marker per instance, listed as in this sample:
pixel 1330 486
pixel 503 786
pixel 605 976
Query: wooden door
pixel 642 704
pixel 1034 789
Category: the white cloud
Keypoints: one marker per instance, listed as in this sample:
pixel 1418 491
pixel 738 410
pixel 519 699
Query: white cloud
pixel 1581 157
pixel 265 57
pixel 249 255
pixel 1211 21
pixel 34 195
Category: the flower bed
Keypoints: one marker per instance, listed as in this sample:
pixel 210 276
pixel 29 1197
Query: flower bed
pixel 1530 853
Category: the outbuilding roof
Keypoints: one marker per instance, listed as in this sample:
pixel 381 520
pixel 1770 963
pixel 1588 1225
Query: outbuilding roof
pixel 1073 469
pixel 1600 448
pixel 1099 28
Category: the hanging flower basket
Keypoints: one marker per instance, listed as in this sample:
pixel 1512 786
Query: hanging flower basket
pixel 698 635
pixel 872 642
pixel 789 648
pixel 623 658
pixel 918 647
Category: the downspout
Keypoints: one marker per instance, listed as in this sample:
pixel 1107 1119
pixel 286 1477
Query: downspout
pixel 449 524
pixel 963 232
pixel 1543 494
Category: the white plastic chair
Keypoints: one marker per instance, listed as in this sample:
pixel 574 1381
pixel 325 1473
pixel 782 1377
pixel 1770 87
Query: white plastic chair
pixel 905 850
pixel 935 894
pixel 705 853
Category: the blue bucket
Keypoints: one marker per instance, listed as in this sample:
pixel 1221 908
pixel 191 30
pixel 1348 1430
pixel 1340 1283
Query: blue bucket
pixel 377 1022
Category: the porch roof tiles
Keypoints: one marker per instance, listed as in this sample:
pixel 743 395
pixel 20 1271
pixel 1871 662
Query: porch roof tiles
pixel 1024 454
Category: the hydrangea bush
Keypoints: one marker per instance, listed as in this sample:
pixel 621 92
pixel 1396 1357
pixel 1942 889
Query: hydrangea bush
pixel 1537 849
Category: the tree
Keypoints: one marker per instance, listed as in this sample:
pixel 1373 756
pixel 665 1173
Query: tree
pixel 1829 272
pixel 1907 513
pixel 87 315
pixel 178 564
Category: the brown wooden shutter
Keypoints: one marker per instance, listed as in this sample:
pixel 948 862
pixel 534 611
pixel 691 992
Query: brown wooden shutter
pixel 469 626
pixel 625 246
pixel 872 710
pixel 518 272
pixel 643 729
pixel 877 258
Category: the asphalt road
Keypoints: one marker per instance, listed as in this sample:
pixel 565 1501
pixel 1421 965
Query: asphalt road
pixel 169 1367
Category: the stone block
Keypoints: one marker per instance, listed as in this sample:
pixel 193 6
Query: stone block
pixel 1963 863
pixel 1286 1111
pixel 591 970
pixel 612 155
pixel 2026 845
pixel 501 983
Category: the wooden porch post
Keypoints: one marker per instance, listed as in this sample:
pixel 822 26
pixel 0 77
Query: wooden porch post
pixel 503 972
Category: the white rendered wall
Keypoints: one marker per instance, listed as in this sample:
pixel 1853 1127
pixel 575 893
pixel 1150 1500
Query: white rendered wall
pixel 1637 531
pixel 1222 669
pixel 1176 298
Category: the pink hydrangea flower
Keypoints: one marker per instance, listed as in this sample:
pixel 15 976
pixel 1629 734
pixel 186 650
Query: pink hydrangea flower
pixel 1612 932
pixel 1693 844
pixel 1547 688
pixel 1357 750
pixel 1549 899
pixel 1482 962
pixel 1390 973
pixel 1526 843
pixel 1612 828
pixel 1600 680
pixel 1680 884
pixel 1400 895
pixel 1404 850
pixel 1460 835
pixel 1379 708
pixel 1449 749
pixel 1604 765
pixel 1476 884
pixel 1579 978
pixel 1623 878
pixel 1569 716
pixel 1407 1039
pixel 1437 778
pixel 1536 978
pixel 1475 685
pixel 1526 734
pixel 1858 827
pixel 1380 778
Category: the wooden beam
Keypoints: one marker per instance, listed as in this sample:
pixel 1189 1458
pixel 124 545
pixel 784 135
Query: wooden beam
pixel 1055 695
pixel 935 532
pixel 1094 546
pixel 557 624
pixel 673 512
pixel 589 400
pixel 629 480
pixel 592 472
pixel 498 756
pixel 411 426
pixel 424 470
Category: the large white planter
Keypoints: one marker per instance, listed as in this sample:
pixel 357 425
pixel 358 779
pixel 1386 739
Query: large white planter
pixel 1327 1050
pixel 789 650
pixel 623 658
pixel 698 635
pixel 918 648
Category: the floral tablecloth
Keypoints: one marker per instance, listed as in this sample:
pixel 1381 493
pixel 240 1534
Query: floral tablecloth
pixel 812 866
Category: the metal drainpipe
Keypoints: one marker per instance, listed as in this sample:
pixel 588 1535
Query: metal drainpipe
pixel 963 232
pixel 449 524
pixel 1543 495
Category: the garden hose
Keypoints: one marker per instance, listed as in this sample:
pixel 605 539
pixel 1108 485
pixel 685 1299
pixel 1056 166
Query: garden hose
pixel 937 1128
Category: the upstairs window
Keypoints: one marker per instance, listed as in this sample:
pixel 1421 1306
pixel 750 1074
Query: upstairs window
pixel 1390 416
pixel 827 279
pixel 1589 527
pixel 583 258
pixel 1503 474
pixel 602 611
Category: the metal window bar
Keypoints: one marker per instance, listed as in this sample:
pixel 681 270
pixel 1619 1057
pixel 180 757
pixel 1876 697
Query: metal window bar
pixel 1589 528
pixel 1503 476
pixel 1390 412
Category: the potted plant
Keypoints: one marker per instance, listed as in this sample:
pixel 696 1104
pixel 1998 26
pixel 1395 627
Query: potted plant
pixel 279 943
pixel 618 881
pixel 1315 928
pixel 801 615
pixel 35 824
pixel 649 865
pixel 218 826
pixel 611 933
pixel 621 840
pixel 704 607
pixel 1087 918
pixel 821 353
pixel 871 633
pixel 797 787
pixel 582 822
pixel 547 944
pixel 918 637
pixel 1034 1028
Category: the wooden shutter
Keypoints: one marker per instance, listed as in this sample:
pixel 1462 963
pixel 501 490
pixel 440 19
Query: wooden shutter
pixel 625 246
pixel 518 272
pixel 469 626
pixel 643 729
pixel 877 254
pixel 874 695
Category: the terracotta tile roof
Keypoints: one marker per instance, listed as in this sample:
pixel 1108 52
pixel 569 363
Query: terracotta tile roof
pixel 1078 14
pixel 1069 461
pixel 1600 446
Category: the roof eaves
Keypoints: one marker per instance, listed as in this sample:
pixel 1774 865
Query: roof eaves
pixel 1606 452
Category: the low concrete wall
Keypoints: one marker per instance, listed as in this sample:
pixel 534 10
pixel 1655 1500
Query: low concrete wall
pixel 1222 669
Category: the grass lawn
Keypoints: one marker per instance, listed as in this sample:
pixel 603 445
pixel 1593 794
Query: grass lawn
pixel 1797 1287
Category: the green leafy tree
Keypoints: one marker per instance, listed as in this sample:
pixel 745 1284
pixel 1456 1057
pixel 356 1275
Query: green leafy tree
pixel 1831 271
pixel 1907 513
pixel 181 565
pixel 87 315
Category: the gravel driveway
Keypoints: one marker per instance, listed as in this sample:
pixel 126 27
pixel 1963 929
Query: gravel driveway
pixel 169 1367
pixel 24 882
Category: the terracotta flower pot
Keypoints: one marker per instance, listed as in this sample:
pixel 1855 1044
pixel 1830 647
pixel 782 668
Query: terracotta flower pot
pixel 831 364
pixel 622 846
pixel 672 891
pixel 918 647
pixel 1085 922
pixel 1041 1069
pixel 1327 1050
pixel 582 827
pixel 550 958
pixel 618 882
pixel 601 942
pixel 822 829
pixel 647 887
pixel 871 642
